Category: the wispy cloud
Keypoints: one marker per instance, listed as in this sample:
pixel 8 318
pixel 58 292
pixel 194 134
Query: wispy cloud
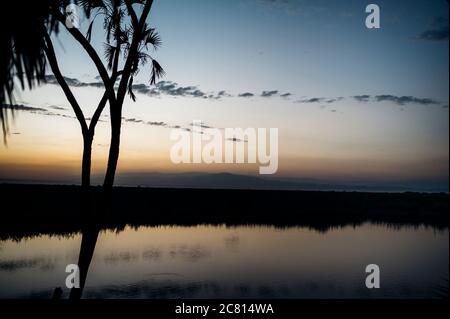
pixel 157 123
pixel 269 93
pixel 362 98
pixel 223 93
pixel 399 100
pixel 246 94
pixel 34 109
pixel 319 100
pixel 291 7
pixel 51 79
pixel 402 100
pixel 170 88
pixel 21 107
pixel 438 31
pixel 235 139
pixel 286 95
pixel 56 107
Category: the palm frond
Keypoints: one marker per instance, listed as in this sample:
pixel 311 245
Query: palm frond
pixel 150 36
pixel 110 52
pixel 89 31
pixel 21 53
pixel 157 72
pixel 130 90
pixel 89 6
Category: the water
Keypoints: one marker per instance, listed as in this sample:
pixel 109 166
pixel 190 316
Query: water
pixel 236 262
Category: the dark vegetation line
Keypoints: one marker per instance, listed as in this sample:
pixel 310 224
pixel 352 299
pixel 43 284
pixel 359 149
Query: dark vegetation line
pixel 29 210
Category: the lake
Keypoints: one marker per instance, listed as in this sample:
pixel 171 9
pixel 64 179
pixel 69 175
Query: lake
pixel 233 262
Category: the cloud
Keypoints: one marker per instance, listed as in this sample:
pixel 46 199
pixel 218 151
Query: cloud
pixel 235 139
pixel 438 32
pixel 132 120
pixel 21 107
pixel 402 100
pixel 362 98
pixel 320 100
pixel 435 35
pixel 34 110
pixel 291 7
pixel 140 121
pixel 173 89
pixel 156 123
pixel 202 125
pixel 269 93
pixel 51 79
pixel 166 88
pixel 166 125
pixel 310 100
pixel 162 87
pixel 334 99
pixel 223 93
pixel 143 89
pixel 56 107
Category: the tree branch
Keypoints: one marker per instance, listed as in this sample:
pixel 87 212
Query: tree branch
pixel 132 13
pixel 92 53
pixel 51 57
pixel 97 113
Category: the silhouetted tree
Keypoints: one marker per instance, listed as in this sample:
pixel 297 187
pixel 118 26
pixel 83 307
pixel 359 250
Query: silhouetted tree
pixel 126 38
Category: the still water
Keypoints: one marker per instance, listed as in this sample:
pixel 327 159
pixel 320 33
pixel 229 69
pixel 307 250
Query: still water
pixel 236 262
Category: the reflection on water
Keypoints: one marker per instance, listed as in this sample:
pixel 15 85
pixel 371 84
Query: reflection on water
pixel 244 261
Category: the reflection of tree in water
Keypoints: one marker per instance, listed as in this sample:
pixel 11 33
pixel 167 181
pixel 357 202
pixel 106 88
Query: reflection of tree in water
pixel 123 256
pixel 232 242
pixel 42 263
pixel 88 242
pixel 189 253
pixel 152 254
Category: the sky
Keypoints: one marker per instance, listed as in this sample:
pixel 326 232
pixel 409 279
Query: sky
pixel 351 104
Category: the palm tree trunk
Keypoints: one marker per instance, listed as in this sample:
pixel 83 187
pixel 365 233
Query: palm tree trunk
pixel 114 148
pixel 86 162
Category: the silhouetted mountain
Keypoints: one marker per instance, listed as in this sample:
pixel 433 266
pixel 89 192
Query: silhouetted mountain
pixel 234 181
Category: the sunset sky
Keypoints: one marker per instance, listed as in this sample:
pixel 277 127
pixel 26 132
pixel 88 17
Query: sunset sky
pixel 350 104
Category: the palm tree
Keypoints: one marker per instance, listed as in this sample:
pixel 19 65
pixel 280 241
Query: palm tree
pixel 130 40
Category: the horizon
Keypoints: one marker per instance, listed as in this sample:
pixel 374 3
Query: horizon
pixel 225 180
